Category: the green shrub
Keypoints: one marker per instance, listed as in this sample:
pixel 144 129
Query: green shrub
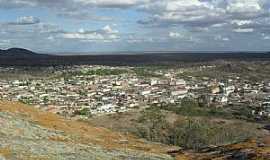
pixel 191 133
pixel 83 112
pixel 190 107
pixel 154 125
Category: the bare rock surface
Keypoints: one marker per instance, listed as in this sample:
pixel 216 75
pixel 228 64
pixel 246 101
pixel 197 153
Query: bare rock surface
pixel 24 136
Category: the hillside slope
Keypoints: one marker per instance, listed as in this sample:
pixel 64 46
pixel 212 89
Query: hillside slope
pixel 257 147
pixel 27 133
pixel 253 149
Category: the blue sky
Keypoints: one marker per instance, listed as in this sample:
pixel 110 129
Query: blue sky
pixel 135 25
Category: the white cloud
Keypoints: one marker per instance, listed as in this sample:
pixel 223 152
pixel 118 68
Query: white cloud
pixel 265 37
pixel 136 39
pixel 4 42
pixel 106 34
pixel 221 38
pixel 28 20
pixel 241 22
pixel 187 12
pixel 183 36
pixel 111 3
pixel 79 35
pixel 109 30
pixel 168 22
pixel 198 13
pixel 243 30
pixel 83 15
pixel 175 35
pixel 244 6
pixel 51 38
pixel 16 3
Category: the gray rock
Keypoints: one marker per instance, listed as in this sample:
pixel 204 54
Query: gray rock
pixel 28 140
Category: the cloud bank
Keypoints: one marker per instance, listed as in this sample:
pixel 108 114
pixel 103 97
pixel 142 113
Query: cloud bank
pixel 137 24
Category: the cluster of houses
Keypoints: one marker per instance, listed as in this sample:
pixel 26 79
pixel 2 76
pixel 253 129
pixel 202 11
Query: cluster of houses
pixel 99 94
pixel 234 91
pixel 103 94
pixel 263 111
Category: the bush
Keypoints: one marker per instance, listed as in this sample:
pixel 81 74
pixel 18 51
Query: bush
pixel 145 72
pixel 154 125
pixel 197 134
pixel 83 112
pixel 190 107
pixel 192 133
pixel 105 72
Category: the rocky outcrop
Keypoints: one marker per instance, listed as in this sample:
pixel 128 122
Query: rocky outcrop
pixel 27 133
pixel 253 149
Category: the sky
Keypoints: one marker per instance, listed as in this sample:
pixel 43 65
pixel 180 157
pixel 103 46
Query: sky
pixel 69 26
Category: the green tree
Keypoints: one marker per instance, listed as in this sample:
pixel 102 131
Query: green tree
pixel 190 134
pixel 154 125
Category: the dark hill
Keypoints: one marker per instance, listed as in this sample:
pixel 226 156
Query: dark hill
pixel 23 57
pixel 15 53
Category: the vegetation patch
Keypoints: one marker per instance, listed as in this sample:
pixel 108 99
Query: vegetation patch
pixel 191 107
pixel 105 72
pixel 83 112
pixel 191 133
pixel 146 72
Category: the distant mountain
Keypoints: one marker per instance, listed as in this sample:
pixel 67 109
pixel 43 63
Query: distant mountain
pixel 19 53
pixel 24 57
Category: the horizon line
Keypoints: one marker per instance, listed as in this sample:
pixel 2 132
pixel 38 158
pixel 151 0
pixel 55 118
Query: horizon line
pixel 135 52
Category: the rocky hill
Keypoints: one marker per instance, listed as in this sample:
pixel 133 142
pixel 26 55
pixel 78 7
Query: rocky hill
pixel 20 53
pixel 27 133
pixel 253 149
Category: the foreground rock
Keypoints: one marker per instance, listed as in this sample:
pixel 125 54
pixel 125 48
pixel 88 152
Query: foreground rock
pixel 253 149
pixel 28 134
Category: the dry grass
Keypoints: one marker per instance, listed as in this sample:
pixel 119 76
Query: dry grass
pixel 85 133
pixel 5 152
pixel 253 144
pixel 250 145
pixel 183 157
pixel 58 139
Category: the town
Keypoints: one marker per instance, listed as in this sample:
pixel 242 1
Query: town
pixel 81 91
pixel 135 80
